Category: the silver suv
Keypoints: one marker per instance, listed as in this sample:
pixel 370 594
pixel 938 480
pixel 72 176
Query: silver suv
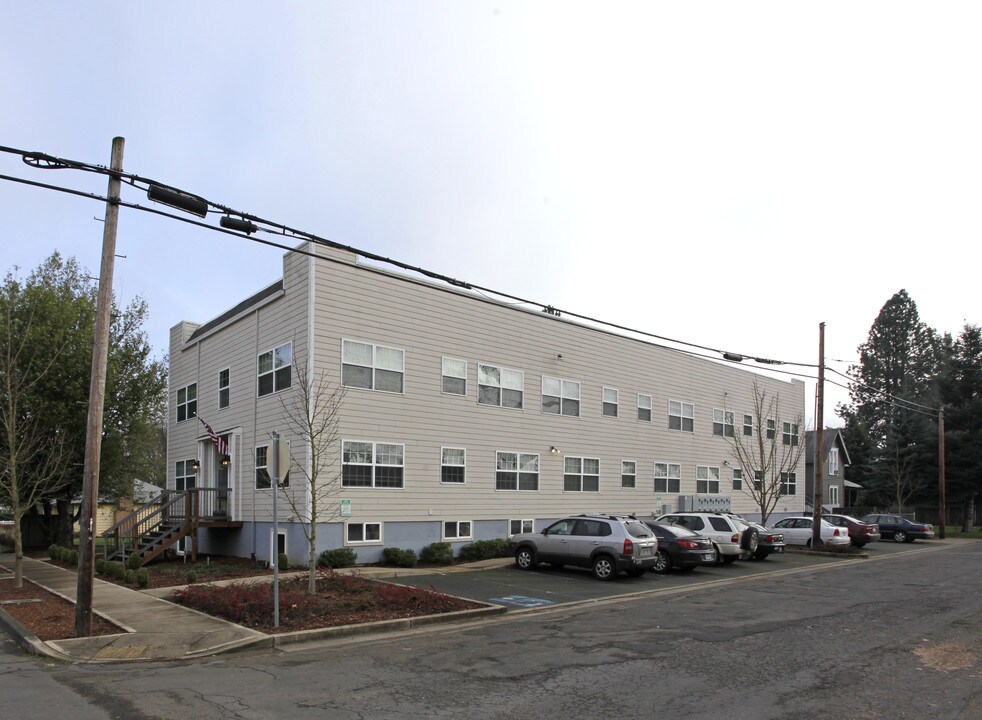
pixel 721 529
pixel 608 544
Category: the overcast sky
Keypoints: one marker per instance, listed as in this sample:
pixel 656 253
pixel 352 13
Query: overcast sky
pixel 726 173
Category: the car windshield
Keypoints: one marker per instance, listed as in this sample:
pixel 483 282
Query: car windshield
pixel 678 530
pixel 638 529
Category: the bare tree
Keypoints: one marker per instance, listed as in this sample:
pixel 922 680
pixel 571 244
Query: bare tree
pixel 313 412
pixel 768 456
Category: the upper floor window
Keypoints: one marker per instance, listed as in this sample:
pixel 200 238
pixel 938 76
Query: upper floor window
pixel 629 473
pixel 644 407
pixel 500 386
pixel 789 436
pixel 187 402
pixel 748 425
pixel 707 479
pixel 560 397
pixel 681 416
pixel 223 388
pixel 454 376
pixel 581 474
pixel 722 423
pixel 737 479
pixel 771 429
pixel 789 483
pixel 834 461
pixel 373 367
pixel 610 402
pixel 366 464
pixel 668 477
pixel 453 462
pixel 274 369
pixel 517 471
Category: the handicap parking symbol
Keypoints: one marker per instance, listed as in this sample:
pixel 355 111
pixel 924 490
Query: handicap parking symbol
pixel 522 601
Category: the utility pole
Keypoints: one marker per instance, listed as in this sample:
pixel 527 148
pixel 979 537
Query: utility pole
pixel 942 511
pixel 97 397
pixel 819 439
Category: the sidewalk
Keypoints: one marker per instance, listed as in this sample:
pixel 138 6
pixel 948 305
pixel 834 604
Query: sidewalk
pixel 161 630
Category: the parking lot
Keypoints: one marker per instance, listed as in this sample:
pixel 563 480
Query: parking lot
pixel 519 590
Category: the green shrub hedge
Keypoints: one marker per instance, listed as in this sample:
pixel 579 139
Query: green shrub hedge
pixel 338 558
pixel 484 550
pixel 399 557
pixel 438 553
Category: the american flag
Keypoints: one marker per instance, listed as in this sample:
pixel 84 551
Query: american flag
pixel 219 443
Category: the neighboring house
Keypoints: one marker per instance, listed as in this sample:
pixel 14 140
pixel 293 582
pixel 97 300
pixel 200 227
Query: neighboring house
pixel 837 492
pixel 465 418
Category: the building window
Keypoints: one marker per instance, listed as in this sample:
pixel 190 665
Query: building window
pixel 560 397
pixel 681 416
pixel 366 464
pixel 519 526
pixel 454 376
pixel 707 480
pixel 644 408
pixel 668 477
pixel 457 530
pixel 748 425
pixel 452 464
pixel 834 495
pixel 500 386
pixel 184 472
pixel 610 402
pixel 790 434
pixel 263 481
pixel 581 474
pixel 789 483
pixel 274 369
pixel 223 388
pixel 187 402
pixel 372 367
pixel 362 533
pixel 517 471
pixel 722 423
pixel 771 429
pixel 834 461
pixel 759 480
pixel 737 479
pixel 629 473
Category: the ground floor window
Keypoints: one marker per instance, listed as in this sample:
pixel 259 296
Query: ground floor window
pixel 367 464
pixel 520 526
pixel 457 530
pixel 453 462
pixel 668 477
pixel 362 533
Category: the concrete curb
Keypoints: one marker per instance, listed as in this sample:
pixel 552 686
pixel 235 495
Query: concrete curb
pixel 27 640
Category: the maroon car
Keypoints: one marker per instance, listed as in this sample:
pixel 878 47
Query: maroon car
pixel 860 533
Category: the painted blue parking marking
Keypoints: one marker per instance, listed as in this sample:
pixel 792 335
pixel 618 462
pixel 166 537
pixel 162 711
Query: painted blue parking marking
pixel 522 601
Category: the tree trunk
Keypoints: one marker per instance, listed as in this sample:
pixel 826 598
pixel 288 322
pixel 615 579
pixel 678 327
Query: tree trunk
pixel 18 550
pixel 64 532
pixel 312 557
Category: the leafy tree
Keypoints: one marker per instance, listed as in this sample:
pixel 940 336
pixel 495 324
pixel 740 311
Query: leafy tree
pixel 892 388
pixel 768 457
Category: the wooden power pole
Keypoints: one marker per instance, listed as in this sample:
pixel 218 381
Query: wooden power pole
pixel 97 397
pixel 819 440
pixel 942 510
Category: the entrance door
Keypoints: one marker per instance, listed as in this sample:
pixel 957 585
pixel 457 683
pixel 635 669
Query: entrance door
pixel 223 470
pixel 181 484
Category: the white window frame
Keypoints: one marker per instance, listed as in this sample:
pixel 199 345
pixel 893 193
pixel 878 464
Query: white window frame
pixel 518 471
pixel 680 407
pixel 771 426
pixel 450 373
pixel 789 483
pixel 262 466
pixel 748 425
pixel 789 434
pixel 274 369
pixel 580 473
pixel 629 469
pixel 708 475
pixel 445 464
pixel 522 525
pixel 457 528
pixel 364 526
pixel 188 405
pixel 374 464
pixel 671 479
pixel 644 404
pixel 833 461
pixel 609 402
pixel 226 399
pixel 738 479
pixel 507 380
pixel 374 366
pixel 834 496
pixel 725 420
pixel 569 393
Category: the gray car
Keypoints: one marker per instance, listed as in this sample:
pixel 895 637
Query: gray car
pixel 607 544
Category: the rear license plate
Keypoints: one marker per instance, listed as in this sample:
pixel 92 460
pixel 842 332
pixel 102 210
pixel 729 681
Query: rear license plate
pixel 646 551
pixel 708 557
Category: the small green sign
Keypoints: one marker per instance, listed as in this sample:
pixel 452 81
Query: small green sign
pixel 345 508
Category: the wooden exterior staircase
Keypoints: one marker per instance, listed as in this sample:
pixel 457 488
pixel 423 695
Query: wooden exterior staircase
pixel 158 525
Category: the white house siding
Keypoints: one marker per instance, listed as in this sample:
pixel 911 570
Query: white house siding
pixel 429 322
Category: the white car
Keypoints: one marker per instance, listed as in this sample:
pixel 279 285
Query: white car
pixel 798 531
pixel 720 528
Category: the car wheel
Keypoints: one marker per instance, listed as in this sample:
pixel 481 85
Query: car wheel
pixel 525 558
pixel 604 568
pixel 662 563
pixel 761 555
pixel 900 536
pixel 750 540
pixel 730 559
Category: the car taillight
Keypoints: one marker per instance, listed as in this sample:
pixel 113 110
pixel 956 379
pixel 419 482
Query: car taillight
pixel 735 538
pixel 628 547
pixel 688 545
pixel 836 533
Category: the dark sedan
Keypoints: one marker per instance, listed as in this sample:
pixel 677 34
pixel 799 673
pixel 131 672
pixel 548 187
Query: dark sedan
pixel 681 548
pixel 900 528
pixel 860 532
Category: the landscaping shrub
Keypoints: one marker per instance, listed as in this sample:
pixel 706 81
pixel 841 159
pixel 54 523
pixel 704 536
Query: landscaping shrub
pixel 399 557
pixel 143 577
pixel 438 553
pixel 129 577
pixel 192 576
pixel 116 570
pixel 100 566
pixel 484 550
pixel 338 558
pixel 282 561
pixel 53 551
pixel 72 557
pixel 134 562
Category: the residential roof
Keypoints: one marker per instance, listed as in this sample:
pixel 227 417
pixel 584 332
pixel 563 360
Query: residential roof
pixel 242 307
pixel 830 435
